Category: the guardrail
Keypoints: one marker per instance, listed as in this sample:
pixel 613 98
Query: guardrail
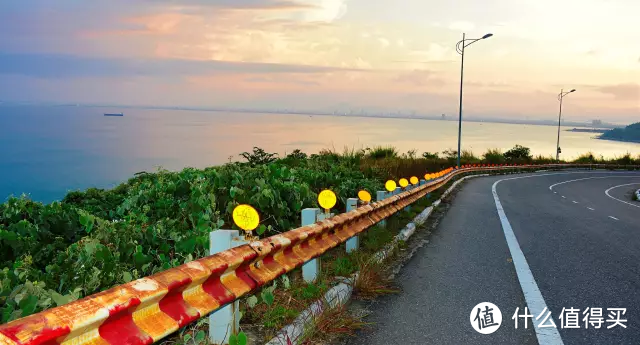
pixel 149 309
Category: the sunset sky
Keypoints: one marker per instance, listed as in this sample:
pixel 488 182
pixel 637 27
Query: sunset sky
pixel 325 54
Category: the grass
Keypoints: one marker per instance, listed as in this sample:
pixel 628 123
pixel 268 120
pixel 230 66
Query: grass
pixel 372 281
pixel 494 156
pixel 332 323
pixel 379 152
pixel 289 302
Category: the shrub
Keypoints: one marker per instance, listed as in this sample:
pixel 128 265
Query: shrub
pixel 380 152
pixel 518 153
pixel 494 156
pixel 450 154
pixel 259 156
pixel 429 155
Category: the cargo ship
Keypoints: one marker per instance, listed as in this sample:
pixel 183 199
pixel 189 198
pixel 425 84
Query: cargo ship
pixel 114 114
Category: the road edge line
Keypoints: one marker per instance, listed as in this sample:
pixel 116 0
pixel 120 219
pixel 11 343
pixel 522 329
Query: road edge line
pixel 530 290
pixel 606 192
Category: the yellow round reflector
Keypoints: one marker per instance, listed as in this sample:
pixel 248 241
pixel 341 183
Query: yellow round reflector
pixel 246 217
pixel 327 199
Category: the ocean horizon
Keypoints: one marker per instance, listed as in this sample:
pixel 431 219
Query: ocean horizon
pixel 48 151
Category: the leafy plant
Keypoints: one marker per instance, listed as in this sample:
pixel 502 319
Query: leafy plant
pixel 494 156
pixel 429 155
pixel 379 152
pixel 343 266
pixel 240 339
pixel 259 157
pixel 518 152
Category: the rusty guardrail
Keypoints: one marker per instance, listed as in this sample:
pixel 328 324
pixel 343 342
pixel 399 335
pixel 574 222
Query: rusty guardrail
pixel 148 309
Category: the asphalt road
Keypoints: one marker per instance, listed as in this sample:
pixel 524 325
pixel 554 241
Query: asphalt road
pixel 580 246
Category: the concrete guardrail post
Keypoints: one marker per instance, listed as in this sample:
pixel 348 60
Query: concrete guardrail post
pixel 354 242
pixel 224 321
pixel 407 208
pixel 381 195
pixel 311 269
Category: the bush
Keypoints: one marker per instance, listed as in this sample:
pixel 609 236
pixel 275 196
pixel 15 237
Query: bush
pixel 518 153
pixel 450 154
pixel 494 156
pixel 259 157
pixel 380 152
pixel 429 155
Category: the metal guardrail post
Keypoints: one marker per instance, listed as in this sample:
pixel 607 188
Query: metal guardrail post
pixel 224 321
pixel 354 242
pixel 311 268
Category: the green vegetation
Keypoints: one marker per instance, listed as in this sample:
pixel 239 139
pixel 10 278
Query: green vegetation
pixel 630 133
pixel 95 239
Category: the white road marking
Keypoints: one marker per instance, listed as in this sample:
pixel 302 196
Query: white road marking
pixel 622 185
pixel 612 217
pixel 532 295
pixel 592 209
pixel 590 178
pixel 554 192
pixel 564 197
pixel 573 201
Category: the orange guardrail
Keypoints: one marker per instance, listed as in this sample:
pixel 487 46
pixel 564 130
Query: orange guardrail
pixel 148 309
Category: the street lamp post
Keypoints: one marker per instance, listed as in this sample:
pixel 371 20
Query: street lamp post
pixel 460 49
pixel 560 97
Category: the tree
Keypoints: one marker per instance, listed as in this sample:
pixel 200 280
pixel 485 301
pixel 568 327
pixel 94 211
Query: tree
pixel 518 152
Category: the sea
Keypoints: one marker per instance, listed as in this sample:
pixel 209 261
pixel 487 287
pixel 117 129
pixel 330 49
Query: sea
pixel 46 151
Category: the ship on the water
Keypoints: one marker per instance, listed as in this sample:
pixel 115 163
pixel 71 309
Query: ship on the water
pixel 114 114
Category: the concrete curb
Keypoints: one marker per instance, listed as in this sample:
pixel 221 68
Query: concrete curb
pixel 341 293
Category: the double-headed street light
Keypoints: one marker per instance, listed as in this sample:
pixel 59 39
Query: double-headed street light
pixel 465 42
pixel 560 97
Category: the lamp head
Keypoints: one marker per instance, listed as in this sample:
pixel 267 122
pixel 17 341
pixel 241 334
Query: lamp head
pixel 573 90
pixel 486 36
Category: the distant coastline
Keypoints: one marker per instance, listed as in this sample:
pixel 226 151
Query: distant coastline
pixel 630 134
pixel 340 113
pixel 588 130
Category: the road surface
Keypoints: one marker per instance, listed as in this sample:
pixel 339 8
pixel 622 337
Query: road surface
pixel 562 240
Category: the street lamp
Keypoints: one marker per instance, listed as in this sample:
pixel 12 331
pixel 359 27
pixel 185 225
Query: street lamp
pixel 560 97
pixel 465 42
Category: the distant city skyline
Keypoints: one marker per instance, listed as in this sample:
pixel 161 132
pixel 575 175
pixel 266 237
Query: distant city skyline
pixel 326 54
pixel 406 114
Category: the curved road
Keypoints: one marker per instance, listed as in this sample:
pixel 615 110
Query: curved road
pixel 548 240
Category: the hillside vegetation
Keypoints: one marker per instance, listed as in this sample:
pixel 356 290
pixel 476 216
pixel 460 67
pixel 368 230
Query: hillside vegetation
pixel 630 133
pixel 95 239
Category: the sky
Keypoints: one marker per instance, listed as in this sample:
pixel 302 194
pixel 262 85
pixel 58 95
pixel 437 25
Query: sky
pixel 327 54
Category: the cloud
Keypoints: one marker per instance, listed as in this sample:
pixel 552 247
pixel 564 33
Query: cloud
pixel 628 91
pixel 280 80
pixel 67 66
pixel 237 4
pixel 494 85
pixel 418 78
pixel 462 26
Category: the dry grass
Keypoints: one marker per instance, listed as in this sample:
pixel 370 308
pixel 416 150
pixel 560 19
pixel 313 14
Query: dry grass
pixel 372 281
pixel 331 324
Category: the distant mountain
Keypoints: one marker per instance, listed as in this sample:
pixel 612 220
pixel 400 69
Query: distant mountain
pixel 631 133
